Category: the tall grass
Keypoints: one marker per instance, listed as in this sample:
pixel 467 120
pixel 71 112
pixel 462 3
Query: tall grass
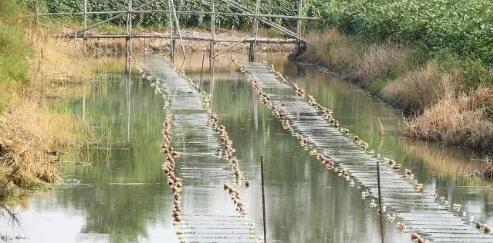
pixel 357 59
pixel 421 88
pixel 455 121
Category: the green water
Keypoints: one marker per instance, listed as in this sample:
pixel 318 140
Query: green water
pixel 118 193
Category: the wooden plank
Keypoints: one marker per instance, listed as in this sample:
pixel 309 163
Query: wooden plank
pixel 190 38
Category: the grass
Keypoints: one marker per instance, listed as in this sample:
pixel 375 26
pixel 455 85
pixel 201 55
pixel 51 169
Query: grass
pixel 421 88
pixel 456 121
pixel 356 59
pixel 450 100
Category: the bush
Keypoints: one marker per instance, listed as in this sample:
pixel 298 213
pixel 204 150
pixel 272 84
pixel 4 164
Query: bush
pixel 421 88
pixel 452 122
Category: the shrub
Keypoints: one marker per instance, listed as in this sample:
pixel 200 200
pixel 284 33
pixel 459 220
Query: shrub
pixel 450 122
pixel 421 88
pixel 29 138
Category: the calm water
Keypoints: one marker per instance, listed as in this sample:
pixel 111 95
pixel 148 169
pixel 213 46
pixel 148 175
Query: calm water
pixel 118 193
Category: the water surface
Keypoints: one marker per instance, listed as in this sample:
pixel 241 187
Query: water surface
pixel 121 193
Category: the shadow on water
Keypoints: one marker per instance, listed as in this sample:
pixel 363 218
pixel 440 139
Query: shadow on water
pixel 122 196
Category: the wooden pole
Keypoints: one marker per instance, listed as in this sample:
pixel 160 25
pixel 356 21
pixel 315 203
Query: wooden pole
pixel 213 31
pixel 380 211
pixel 202 71
pixel 300 13
pixel 171 33
pixel 36 19
pixel 85 18
pixel 263 197
pixel 177 22
pixel 251 56
pixel 129 30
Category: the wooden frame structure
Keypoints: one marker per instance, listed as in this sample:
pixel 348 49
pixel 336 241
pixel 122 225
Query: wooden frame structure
pixel 175 31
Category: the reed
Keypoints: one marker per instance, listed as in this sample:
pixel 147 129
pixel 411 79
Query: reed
pixel 421 88
pixel 455 121
pixel 29 146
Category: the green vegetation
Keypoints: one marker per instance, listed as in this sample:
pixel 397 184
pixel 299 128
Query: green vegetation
pixel 13 49
pixel 289 7
pixel 462 27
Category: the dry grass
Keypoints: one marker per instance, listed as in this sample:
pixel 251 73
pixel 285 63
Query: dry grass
pixel 356 59
pixel 333 50
pixel 381 60
pixel 58 61
pixel 419 89
pixel 455 121
pixel 32 135
pixel 30 139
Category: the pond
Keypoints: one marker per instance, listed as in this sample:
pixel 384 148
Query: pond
pixel 117 192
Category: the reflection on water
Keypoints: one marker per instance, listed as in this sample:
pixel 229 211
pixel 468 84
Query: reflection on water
pixel 123 197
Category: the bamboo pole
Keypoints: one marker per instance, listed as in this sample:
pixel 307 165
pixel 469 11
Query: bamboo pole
pixel 380 211
pixel 213 31
pixel 122 13
pixel 191 38
pixel 231 46
pixel 129 29
pixel 298 22
pixel 171 33
pixel 267 22
pixel 263 197
pixel 251 53
pixel 202 71
pixel 36 20
pixel 85 18
pixel 177 22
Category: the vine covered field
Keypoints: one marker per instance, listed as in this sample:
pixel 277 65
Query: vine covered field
pixel 463 27
pixel 285 7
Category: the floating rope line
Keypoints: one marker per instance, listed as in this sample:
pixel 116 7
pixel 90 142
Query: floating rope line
pixel 227 143
pixel 408 174
pixel 169 165
pixel 228 155
pixel 328 163
pixel 183 220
